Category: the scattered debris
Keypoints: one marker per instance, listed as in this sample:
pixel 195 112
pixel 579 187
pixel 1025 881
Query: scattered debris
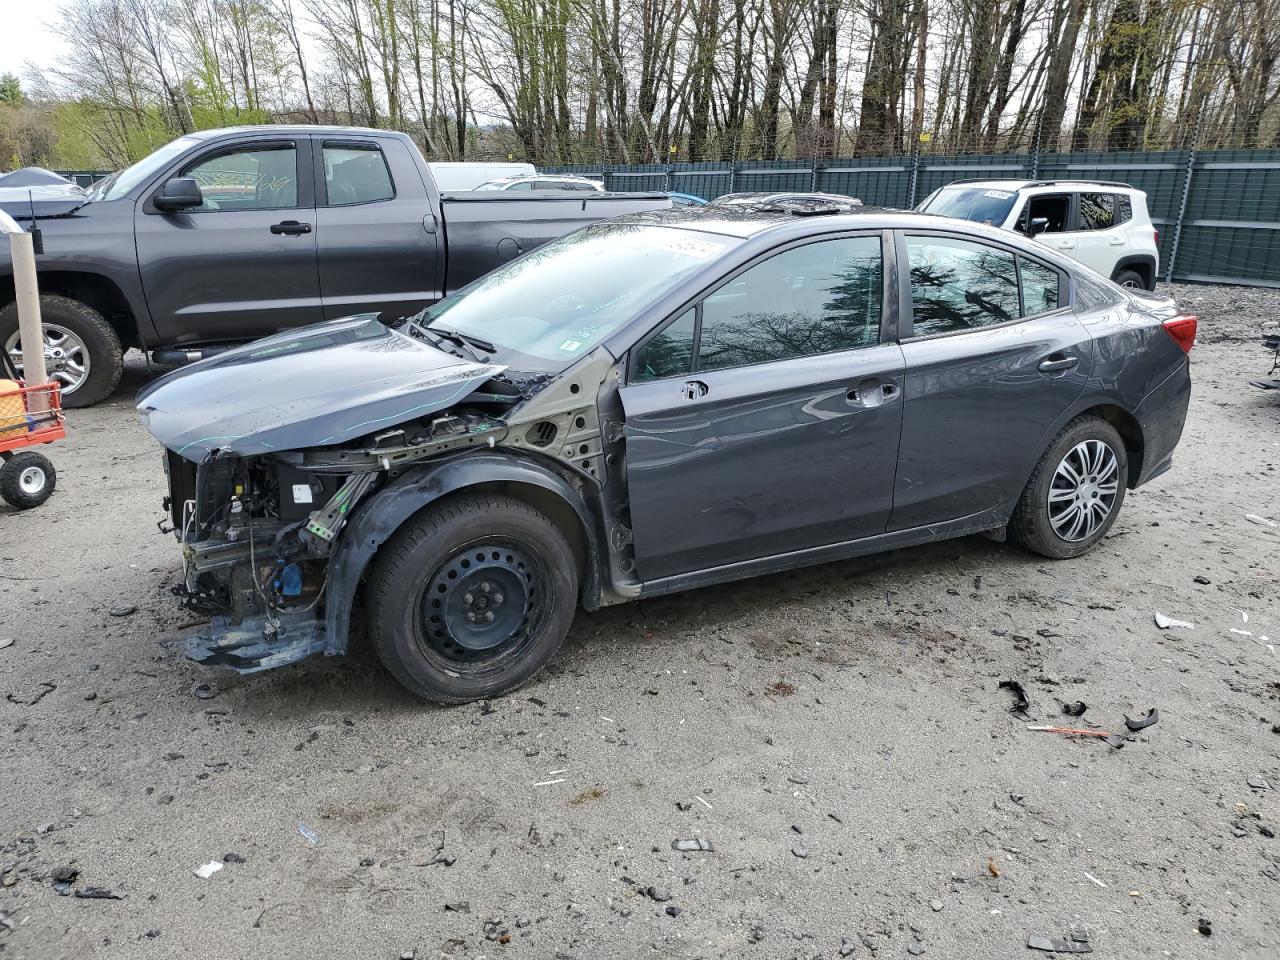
pixel 207 870
pixel 100 893
pixel 1254 518
pixel 460 906
pixel 1020 702
pixel 704 803
pixel 1152 718
pixel 936 906
pixel 6 642
pixel 1204 927
pixel 1076 943
pixel 123 611
pixel 595 793
pixel 1094 880
pixel 1112 739
pixel 800 851
pixel 692 846
pixel 550 783
pixel 847 947
pixel 46 687
pixel 233 858
pixel 1202 580
pixel 1076 709
pixel 657 894
pixel 992 868
pixel 1169 623
pixel 205 691
pixel 781 688
pixel 308 834
pixel 674 911
pixel 1258 783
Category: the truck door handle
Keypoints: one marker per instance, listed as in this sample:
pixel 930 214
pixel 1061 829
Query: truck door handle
pixel 694 390
pixel 871 392
pixel 290 228
pixel 1057 362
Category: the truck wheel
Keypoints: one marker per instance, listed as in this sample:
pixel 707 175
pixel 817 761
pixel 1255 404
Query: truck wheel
pixel 471 598
pixel 27 480
pixel 82 352
pixel 1131 280
pixel 1075 492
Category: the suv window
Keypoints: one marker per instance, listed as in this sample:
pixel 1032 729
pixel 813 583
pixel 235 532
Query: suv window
pixel 1124 209
pixel 1096 211
pixel 960 285
pixel 1054 207
pixel 823 297
pixel 356 174
pixel 265 178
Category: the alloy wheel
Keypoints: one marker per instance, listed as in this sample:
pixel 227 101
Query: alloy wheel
pixel 66 357
pixel 1084 489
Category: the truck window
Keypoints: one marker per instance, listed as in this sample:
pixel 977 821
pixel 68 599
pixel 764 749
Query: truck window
pixel 356 174
pixel 265 178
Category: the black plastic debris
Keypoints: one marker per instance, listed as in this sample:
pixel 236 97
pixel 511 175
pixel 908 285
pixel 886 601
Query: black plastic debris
pixel 1204 927
pixel 1076 709
pixel 1152 717
pixel 1202 580
pixel 100 893
pixel 1020 702
pixel 1075 943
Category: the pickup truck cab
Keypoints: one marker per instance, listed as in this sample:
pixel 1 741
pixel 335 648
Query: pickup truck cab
pixel 1102 224
pixel 225 236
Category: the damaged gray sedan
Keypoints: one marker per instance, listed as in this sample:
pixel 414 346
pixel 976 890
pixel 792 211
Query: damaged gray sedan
pixel 665 401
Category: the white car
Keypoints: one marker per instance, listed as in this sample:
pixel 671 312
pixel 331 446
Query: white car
pixel 469 174
pixel 543 181
pixel 1103 224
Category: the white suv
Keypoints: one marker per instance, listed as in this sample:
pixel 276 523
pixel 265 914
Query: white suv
pixel 1102 224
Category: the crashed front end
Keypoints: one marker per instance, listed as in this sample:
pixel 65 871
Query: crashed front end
pixel 270 448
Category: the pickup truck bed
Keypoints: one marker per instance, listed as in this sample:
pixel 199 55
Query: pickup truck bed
pixel 225 236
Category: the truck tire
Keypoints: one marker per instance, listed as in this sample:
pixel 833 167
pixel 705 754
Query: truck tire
pixel 27 479
pixel 1075 492
pixel 471 598
pixel 88 359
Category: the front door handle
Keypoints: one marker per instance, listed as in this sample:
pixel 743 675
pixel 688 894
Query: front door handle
pixel 694 390
pixel 872 392
pixel 1065 244
pixel 290 228
pixel 1058 363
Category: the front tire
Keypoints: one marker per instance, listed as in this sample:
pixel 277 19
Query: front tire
pixel 82 351
pixel 27 480
pixel 471 598
pixel 1075 492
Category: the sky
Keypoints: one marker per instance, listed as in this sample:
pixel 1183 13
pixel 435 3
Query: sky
pixel 24 37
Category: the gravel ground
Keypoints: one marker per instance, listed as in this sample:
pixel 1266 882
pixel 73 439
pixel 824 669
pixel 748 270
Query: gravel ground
pixel 836 733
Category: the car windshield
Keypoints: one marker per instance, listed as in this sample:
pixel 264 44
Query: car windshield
pixel 118 184
pixel 980 204
pixel 554 305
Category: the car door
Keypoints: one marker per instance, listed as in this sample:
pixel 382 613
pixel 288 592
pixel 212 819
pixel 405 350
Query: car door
pixel 243 264
pixel 994 356
pixel 377 240
pixel 764 418
pixel 1058 210
pixel 1100 240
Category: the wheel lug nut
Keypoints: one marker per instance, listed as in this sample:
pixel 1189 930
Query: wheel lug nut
pixel 485 588
pixel 497 599
pixel 468 599
pixel 488 617
pixel 471 617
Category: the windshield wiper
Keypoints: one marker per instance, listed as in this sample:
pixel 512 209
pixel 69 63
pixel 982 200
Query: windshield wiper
pixel 461 339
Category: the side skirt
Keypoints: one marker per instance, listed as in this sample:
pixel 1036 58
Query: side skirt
pixel 991 519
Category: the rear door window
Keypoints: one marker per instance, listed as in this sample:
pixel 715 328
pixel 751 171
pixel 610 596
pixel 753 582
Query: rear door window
pixel 1097 211
pixel 355 174
pixel 959 285
pixel 1041 287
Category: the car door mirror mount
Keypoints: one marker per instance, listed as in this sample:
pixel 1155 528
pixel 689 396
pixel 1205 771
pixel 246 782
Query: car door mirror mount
pixel 1038 225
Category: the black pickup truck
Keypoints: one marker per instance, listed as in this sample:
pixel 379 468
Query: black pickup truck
pixel 225 236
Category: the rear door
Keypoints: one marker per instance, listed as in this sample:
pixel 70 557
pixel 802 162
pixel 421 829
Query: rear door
pixel 764 418
pixel 243 264
pixel 994 355
pixel 378 240
pixel 1100 240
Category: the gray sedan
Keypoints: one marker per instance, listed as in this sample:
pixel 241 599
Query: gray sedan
pixel 651 404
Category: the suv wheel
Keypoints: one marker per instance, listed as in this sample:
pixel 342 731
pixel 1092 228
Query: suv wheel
pixel 1131 280
pixel 1075 492
pixel 471 598
pixel 82 352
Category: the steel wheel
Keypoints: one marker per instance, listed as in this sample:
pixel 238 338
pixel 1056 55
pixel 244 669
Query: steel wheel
pixel 66 357
pixel 32 481
pixel 1132 285
pixel 485 603
pixel 1083 491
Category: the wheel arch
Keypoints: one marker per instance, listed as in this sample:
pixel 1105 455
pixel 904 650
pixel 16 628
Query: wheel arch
pixel 1142 264
pixel 91 289
pixel 377 520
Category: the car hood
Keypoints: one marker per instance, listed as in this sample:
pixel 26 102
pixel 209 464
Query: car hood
pixel 323 384
pixel 54 200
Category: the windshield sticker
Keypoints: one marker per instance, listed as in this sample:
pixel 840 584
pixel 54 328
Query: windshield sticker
pixel 571 346
pixel 692 247
pixel 997 195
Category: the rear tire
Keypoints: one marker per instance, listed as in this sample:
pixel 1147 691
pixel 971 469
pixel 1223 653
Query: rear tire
pixel 1075 492
pixel 471 598
pixel 1131 280
pixel 27 480
pixel 82 331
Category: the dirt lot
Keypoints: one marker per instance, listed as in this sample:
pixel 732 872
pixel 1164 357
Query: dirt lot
pixel 836 733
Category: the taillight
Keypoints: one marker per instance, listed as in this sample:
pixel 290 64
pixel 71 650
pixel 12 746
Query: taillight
pixel 1183 331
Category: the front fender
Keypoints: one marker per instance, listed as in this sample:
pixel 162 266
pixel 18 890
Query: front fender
pixel 383 513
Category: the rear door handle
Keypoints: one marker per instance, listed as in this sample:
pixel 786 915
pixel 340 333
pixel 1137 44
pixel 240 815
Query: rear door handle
pixel 871 392
pixel 290 228
pixel 1117 241
pixel 1056 363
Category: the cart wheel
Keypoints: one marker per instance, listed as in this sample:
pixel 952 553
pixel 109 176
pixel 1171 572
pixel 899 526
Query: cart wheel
pixel 27 479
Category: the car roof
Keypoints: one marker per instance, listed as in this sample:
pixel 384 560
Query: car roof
pixel 297 129
pixel 1014 185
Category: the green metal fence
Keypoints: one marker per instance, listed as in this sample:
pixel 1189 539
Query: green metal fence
pixel 1217 212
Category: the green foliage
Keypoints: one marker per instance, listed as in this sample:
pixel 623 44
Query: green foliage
pixel 11 91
